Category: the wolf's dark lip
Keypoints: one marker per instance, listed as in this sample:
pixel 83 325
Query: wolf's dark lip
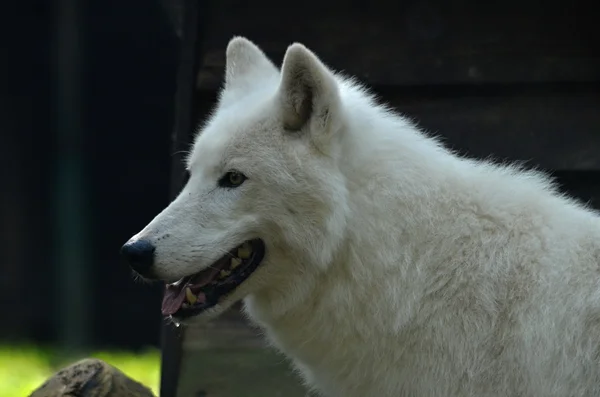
pixel 196 293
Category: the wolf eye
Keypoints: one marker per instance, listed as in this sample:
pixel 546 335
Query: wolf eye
pixel 232 179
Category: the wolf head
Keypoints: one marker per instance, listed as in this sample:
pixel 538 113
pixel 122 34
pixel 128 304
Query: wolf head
pixel 265 200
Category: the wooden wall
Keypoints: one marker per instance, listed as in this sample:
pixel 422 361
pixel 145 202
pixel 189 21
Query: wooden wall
pixel 517 79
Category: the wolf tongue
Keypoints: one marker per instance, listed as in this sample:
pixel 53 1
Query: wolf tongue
pixel 173 299
pixel 174 295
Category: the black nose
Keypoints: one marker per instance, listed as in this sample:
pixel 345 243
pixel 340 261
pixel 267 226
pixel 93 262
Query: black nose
pixel 139 254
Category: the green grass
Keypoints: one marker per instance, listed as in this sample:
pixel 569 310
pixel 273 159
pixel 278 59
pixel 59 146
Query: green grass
pixel 25 367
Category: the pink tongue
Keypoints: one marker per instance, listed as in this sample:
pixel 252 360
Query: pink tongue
pixel 172 300
pixel 175 294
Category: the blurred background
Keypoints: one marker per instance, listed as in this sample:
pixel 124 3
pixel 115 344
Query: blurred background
pixel 87 110
pixel 86 114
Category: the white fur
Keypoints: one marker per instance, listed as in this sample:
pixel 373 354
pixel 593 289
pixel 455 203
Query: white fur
pixel 394 267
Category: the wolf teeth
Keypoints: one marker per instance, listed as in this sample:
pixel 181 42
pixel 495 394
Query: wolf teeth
pixel 235 262
pixel 224 273
pixel 244 251
pixel 190 296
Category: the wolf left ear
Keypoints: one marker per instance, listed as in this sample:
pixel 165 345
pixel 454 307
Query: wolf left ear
pixel 308 92
pixel 247 67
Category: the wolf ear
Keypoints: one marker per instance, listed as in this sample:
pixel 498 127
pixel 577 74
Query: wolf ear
pixel 308 92
pixel 246 67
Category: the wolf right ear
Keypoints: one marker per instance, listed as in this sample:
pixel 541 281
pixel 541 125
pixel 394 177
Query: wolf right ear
pixel 308 93
pixel 246 68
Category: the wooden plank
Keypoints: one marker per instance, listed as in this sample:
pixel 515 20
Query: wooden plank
pixel 184 124
pixel 415 42
pixel 558 130
pixel 238 372
pixel 554 126
pixel 71 213
pixel 228 357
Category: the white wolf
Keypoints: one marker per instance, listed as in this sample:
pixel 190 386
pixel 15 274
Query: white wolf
pixel 380 262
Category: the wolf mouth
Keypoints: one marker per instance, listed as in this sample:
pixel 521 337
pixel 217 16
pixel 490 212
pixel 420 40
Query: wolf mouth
pixel 198 292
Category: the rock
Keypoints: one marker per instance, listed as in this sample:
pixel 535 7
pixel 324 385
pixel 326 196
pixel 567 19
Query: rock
pixel 91 378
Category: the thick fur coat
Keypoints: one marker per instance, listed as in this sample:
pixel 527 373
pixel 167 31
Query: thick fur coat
pixel 393 267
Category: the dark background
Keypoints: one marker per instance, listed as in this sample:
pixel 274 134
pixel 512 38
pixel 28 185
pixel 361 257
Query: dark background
pixel 121 149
